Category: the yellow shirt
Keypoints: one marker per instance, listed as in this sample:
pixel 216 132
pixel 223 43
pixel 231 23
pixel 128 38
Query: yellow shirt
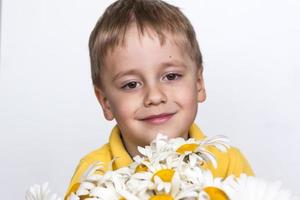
pixel 230 162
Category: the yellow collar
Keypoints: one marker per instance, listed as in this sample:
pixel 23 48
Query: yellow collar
pixel 120 153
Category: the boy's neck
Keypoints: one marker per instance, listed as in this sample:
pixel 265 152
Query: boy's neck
pixel 131 149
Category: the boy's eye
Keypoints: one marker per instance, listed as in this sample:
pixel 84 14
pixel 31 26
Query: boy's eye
pixel 172 76
pixel 130 85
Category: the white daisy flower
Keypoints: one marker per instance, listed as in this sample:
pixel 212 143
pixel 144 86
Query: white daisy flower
pixel 162 179
pixel 195 152
pixel 253 188
pixel 220 142
pixel 38 192
pixel 141 184
pixel 93 173
pixel 158 150
pixel 109 191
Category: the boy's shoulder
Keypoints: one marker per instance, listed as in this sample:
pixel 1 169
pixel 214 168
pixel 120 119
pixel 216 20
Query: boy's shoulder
pixel 102 154
pixel 230 162
pixel 114 151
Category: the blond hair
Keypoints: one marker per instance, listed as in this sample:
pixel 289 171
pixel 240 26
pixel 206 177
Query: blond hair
pixel 156 15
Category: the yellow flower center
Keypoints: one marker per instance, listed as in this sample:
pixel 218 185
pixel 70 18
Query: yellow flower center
pixel 165 175
pixel 161 197
pixel 122 198
pixel 215 193
pixel 141 168
pixel 187 147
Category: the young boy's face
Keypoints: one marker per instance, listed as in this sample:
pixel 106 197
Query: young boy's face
pixel 150 88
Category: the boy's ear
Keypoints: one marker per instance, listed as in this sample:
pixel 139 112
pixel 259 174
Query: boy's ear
pixel 104 103
pixel 200 87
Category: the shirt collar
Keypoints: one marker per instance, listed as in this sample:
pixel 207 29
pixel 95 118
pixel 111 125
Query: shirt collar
pixel 120 154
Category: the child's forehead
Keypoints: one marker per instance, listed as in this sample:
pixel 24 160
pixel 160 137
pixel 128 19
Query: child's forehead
pixel 142 52
pixel 133 34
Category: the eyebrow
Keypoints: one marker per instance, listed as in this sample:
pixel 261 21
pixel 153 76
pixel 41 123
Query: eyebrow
pixel 174 63
pixel 129 72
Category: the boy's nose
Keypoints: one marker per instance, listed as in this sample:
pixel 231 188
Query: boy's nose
pixel 154 96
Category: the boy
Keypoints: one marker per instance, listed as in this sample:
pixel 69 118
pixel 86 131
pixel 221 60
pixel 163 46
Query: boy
pixel 147 75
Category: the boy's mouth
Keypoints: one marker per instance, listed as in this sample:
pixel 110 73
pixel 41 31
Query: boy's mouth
pixel 158 119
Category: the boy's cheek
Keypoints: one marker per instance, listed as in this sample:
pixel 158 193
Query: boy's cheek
pixel 188 90
pixel 125 106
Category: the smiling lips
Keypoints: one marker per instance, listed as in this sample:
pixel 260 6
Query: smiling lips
pixel 158 119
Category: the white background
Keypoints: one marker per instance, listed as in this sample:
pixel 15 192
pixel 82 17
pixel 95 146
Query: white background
pixel 49 116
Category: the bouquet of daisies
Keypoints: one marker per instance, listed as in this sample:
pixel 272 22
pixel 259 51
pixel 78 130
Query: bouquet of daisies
pixel 170 169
